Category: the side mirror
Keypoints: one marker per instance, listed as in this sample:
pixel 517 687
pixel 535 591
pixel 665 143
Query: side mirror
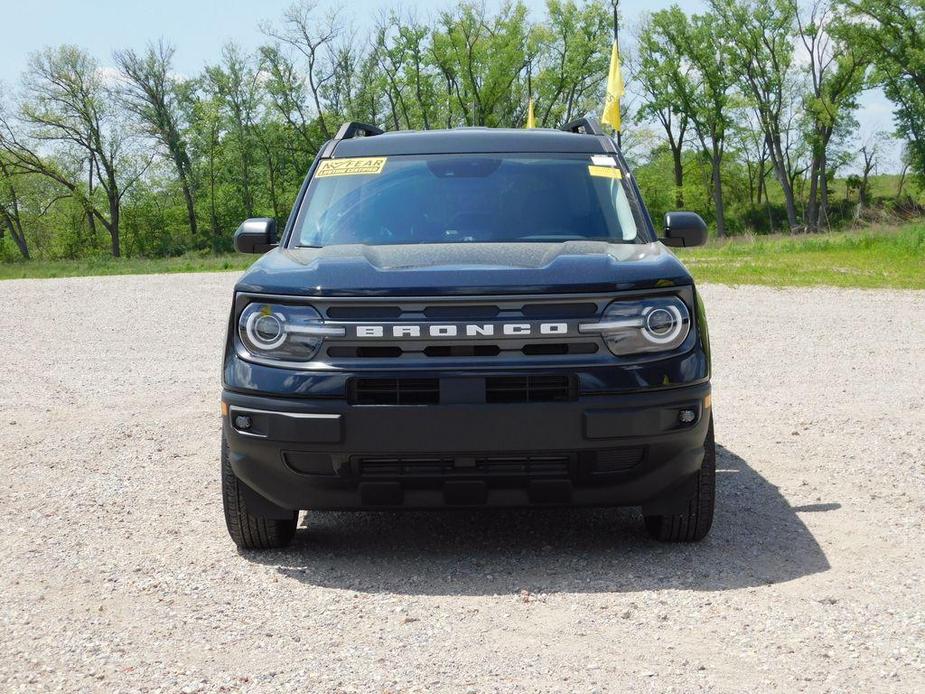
pixel 256 236
pixel 684 229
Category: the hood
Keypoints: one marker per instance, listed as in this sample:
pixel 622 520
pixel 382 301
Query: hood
pixel 464 269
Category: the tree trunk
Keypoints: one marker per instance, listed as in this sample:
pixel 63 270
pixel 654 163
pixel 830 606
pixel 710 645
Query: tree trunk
pixel 751 182
pixel 824 192
pixel 902 181
pixel 778 160
pixel 113 226
pixel 19 238
pixel 14 222
pixel 114 235
pixel 246 185
pixel 91 220
pixel 272 175
pixel 718 194
pixel 811 218
pixel 190 206
pixel 22 245
pixel 183 166
pixel 394 110
pixel 213 214
pixel 761 182
pixel 864 195
pixel 417 88
pixel 678 176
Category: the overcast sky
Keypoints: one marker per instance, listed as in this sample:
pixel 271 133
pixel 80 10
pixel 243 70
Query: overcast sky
pixel 199 28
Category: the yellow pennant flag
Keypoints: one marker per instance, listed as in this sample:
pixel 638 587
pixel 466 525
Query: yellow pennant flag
pixel 531 119
pixel 611 113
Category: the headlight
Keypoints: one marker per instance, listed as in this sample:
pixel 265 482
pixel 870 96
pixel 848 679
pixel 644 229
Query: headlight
pixel 282 332
pixel 645 325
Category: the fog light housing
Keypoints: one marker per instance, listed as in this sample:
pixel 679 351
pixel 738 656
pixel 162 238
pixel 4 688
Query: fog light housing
pixel 242 422
pixel 687 416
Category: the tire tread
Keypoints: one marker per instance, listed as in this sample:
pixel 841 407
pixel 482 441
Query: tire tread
pixel 246 529
pixel 693 525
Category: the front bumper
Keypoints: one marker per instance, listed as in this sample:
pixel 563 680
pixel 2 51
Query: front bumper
pixel 618 450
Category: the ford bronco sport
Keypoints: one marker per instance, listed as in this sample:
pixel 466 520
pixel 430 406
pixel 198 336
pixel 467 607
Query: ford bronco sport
pixel 467 318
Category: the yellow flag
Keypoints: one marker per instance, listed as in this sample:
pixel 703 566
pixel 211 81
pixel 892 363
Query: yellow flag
pixel 614 91
pixel 531 119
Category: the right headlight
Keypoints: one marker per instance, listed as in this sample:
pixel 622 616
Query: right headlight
pixel 283 333
pixel 642 325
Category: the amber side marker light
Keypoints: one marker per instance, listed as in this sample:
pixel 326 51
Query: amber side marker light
pixel 708 401
pixel 224 409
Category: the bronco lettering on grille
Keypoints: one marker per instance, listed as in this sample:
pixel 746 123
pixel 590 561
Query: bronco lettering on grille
pixel 469 330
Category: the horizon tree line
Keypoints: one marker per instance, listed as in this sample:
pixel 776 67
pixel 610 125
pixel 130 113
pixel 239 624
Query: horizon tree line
pixel 728 110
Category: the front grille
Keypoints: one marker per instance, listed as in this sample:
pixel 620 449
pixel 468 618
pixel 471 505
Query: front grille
pixel 584 310
pixel 363 352
pixel 496 389
pixel 394 391
pixel 547 348
pixel 461 351
pixel 424 467
pixel 466 342
pixel 461 312
pixel 453 309
pixel 542 388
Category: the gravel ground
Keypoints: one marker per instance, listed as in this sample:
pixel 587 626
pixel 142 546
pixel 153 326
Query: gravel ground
pixel 117 573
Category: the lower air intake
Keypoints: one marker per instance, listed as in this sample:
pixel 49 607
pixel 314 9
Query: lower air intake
pixel 394 391
pixel 542 388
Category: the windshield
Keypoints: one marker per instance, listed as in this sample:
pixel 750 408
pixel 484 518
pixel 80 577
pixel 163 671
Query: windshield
pixel 467 199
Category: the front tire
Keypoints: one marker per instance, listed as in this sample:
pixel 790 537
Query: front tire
pixel 694 524
pixel 250 531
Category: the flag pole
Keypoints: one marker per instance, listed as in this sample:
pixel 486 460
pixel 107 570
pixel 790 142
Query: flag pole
pixel 531 118
pixel 616 39
pixel 530 83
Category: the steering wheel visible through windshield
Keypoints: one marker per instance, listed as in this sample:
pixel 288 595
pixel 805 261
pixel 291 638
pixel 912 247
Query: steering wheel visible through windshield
pixel 467 199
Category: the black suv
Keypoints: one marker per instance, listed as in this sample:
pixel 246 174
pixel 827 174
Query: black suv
pixel 466 318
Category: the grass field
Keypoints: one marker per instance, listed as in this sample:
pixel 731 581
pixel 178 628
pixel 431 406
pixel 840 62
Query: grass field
pixel 123 266
pixel 877 257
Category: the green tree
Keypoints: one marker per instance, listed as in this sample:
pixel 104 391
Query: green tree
pixel 482 58
pixel 655 75
pixel 760 33
pixel 70 113
pixel 152 95
pixel 313 40
pixel 287 93
pixel 11 219
pixel 697 53
pixel 205 141
pixel 891 35
pixel 570 50
pixel 234 85
pixel 836 71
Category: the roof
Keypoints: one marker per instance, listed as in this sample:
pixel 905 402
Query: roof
pixel 472 140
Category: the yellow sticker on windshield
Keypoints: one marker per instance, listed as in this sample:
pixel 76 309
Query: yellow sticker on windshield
pixel 361 166
pixel 605 171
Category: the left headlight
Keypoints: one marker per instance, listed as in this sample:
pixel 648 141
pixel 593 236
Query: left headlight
pixel 645 325
pixel 283 333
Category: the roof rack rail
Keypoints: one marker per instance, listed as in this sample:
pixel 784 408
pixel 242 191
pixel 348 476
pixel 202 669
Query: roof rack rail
pixel 356 129
pixel 588 125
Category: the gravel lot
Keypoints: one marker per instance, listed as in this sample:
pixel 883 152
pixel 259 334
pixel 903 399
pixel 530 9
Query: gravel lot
pixel 117 572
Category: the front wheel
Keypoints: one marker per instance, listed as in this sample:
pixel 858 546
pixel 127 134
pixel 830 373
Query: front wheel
pixel 250 531
pixel 694 524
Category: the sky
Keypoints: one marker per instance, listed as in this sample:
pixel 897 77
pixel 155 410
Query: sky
pixel 199 28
